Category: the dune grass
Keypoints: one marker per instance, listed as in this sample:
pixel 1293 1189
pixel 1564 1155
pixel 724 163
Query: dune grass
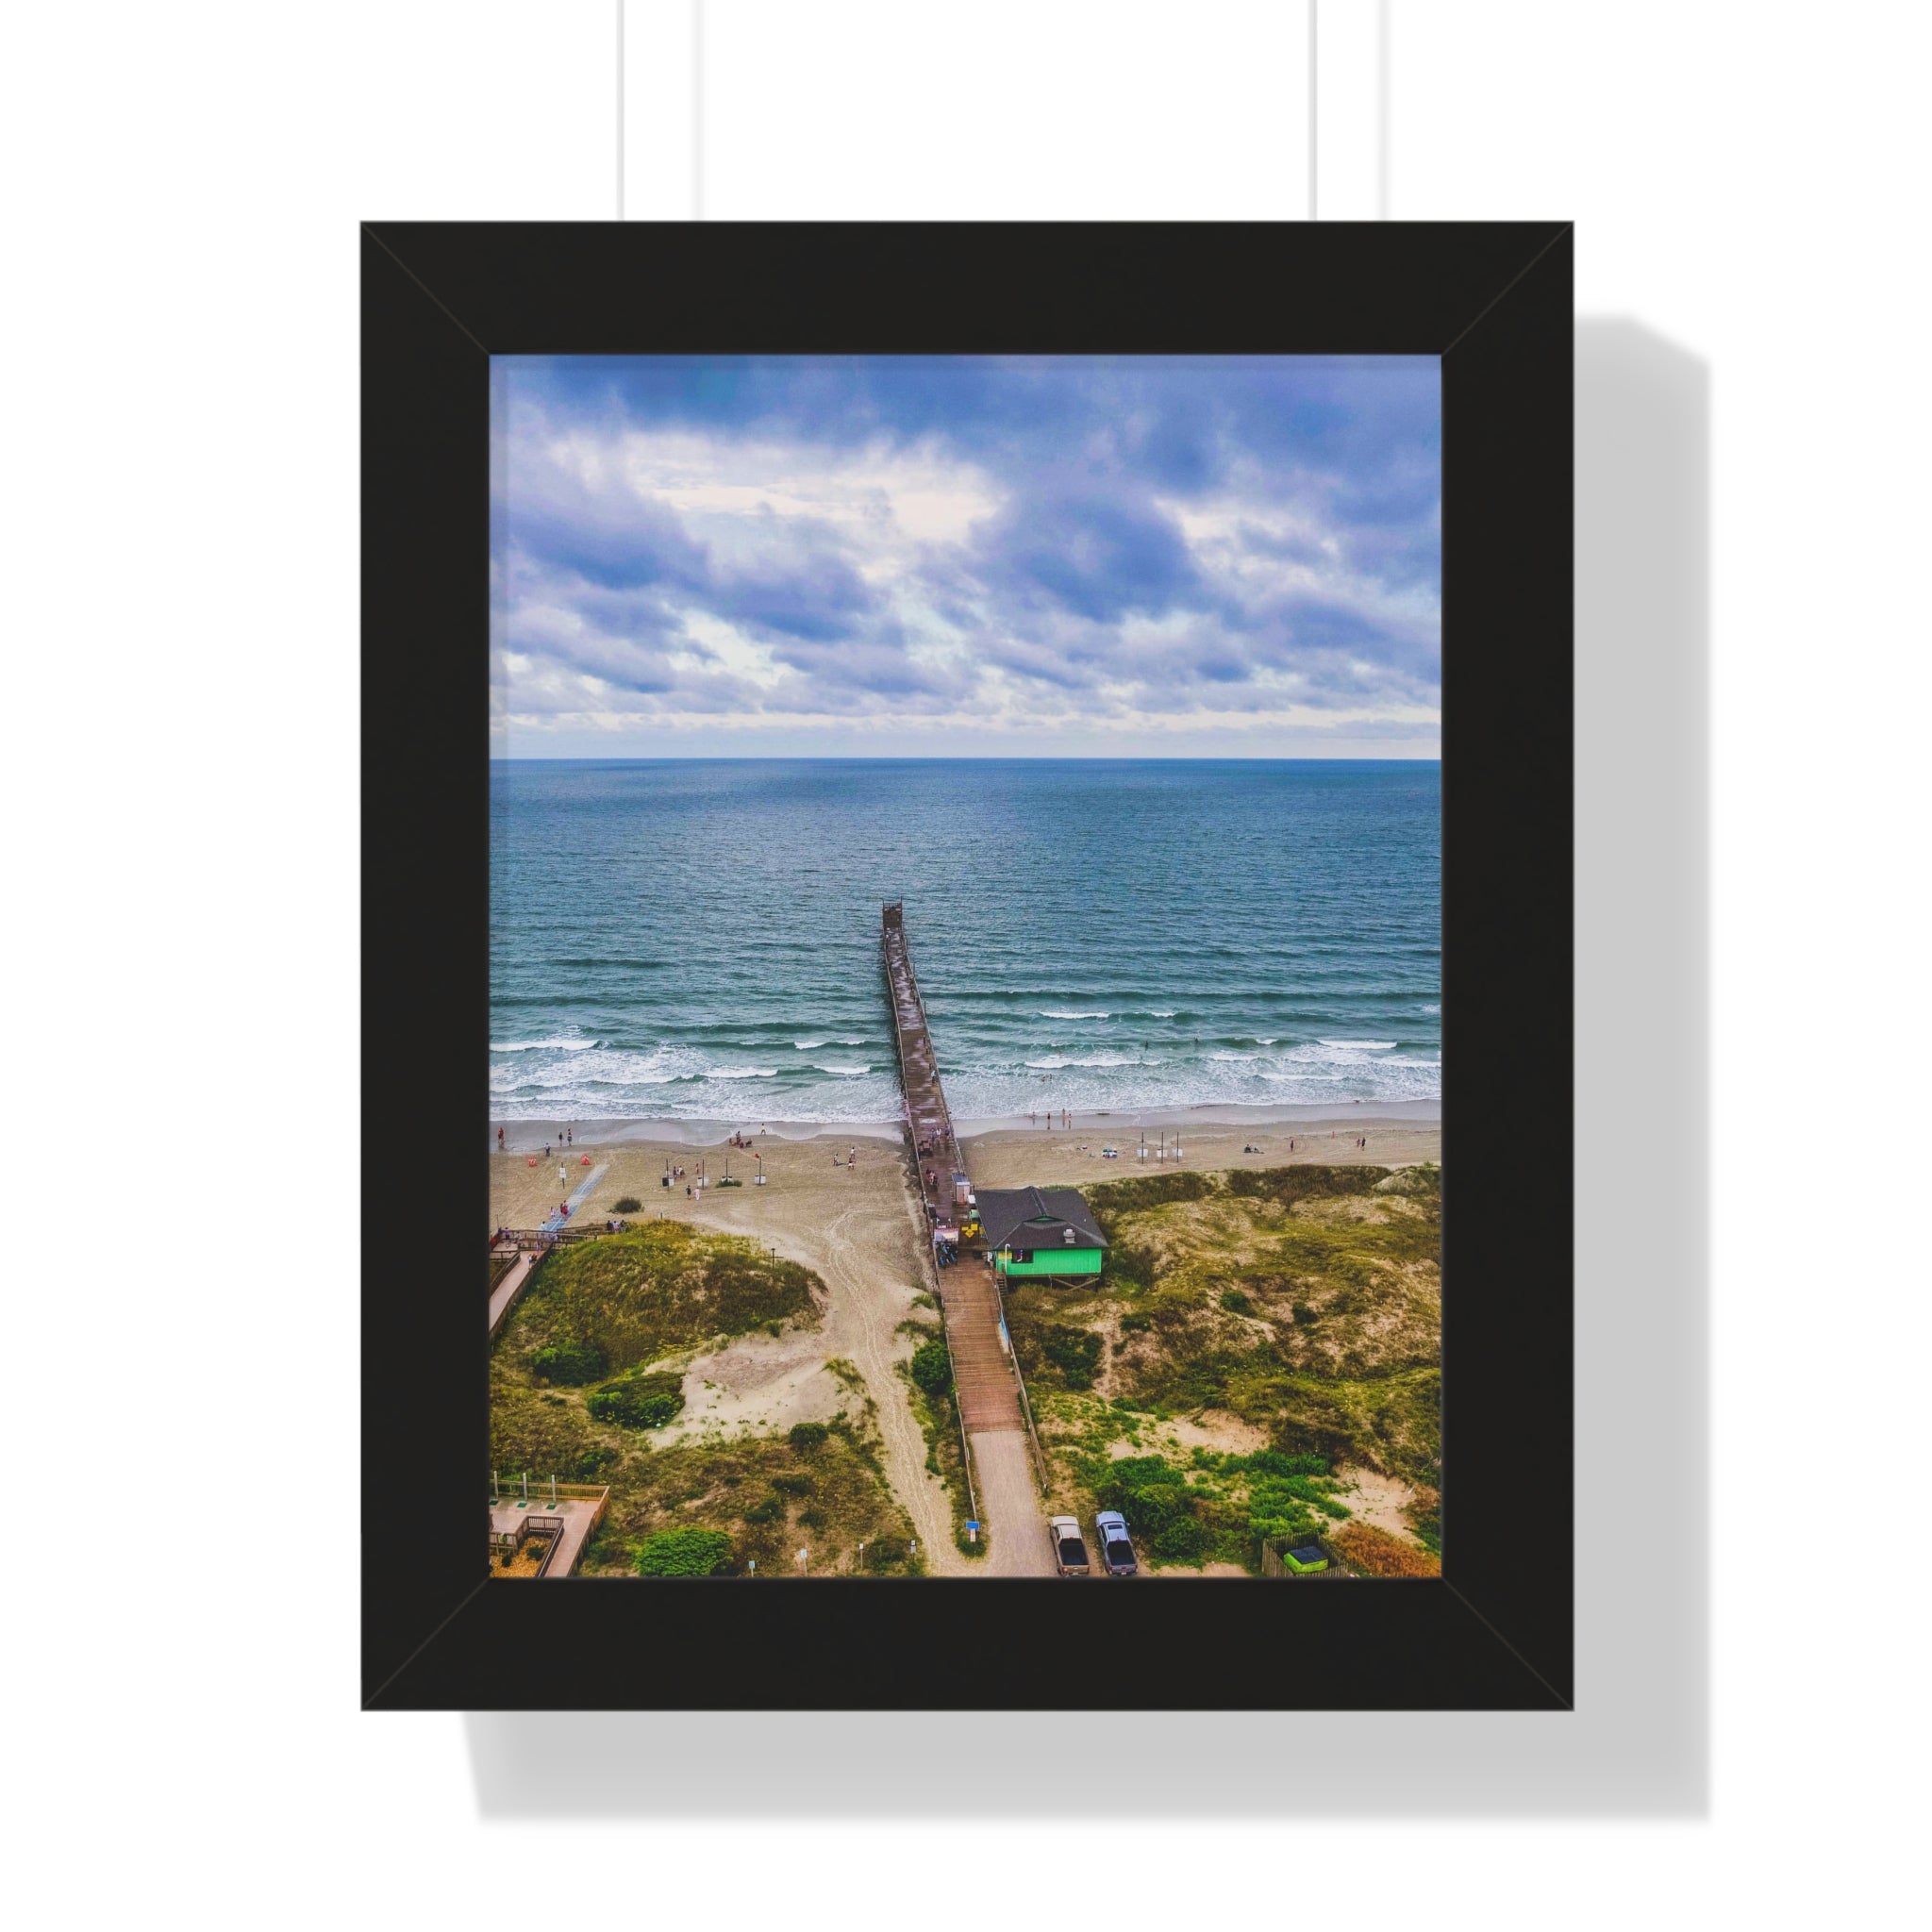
pixel 654 1291
pixel 768 1499
pixel 1305 1301
pixel 607 1311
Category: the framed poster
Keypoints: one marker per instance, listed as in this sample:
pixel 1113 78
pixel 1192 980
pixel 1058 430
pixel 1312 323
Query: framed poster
pixel 967 839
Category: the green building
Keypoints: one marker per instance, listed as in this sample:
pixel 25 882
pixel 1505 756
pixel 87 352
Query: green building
pixel 1036 1232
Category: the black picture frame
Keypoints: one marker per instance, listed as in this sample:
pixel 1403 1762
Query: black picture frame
pixel 1495 301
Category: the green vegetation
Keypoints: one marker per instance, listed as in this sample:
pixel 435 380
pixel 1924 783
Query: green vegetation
pixel 685 1552
pixel 1074 1354
pixel 1215 1510
pixel 931 1368
pixel 641 1400
pixel 657 1290
pixel 617 1312
pixel 762 1500
pixel 929 1394
pixel 627 1204
pixel 1302 1301
pixel 546 1433
pixel 567 1362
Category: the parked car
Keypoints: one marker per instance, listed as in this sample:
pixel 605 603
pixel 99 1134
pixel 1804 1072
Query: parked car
pixel 1116 1553
pixel 1069 1552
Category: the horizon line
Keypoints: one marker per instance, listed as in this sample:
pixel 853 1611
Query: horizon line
pixel 956 758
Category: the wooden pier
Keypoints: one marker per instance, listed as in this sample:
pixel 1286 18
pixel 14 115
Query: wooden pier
pixel 930 1125
pixel 984 1377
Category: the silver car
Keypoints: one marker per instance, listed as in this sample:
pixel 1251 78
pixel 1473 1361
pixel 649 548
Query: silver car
pixel 1116 1552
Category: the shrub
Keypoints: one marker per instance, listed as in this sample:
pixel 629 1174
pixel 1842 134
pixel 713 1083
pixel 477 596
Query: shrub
pixel 628 1204
pixel 685 1552
pixel 770 1510
pixel 638 1401
pixel 812 1518
pixel 931 1367
pixel 1235 1302
pixel 570 1362
pixel 793 1485
pixel 1146 1492
pixel 1278 1463
pixel 1074 1352
pixel 1134 1323
pixel 885 1553
pixel 1179 1541
pixel 807 1438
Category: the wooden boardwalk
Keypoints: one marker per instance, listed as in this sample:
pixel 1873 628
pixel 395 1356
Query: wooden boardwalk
pixel 988 1393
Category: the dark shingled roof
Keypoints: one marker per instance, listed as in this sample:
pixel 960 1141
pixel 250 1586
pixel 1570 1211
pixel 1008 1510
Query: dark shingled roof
pixel 1037 1218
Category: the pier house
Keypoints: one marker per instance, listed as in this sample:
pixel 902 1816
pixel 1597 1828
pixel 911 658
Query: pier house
pixel 1040 1232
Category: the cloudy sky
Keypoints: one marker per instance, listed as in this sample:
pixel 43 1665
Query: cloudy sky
pixel 900 556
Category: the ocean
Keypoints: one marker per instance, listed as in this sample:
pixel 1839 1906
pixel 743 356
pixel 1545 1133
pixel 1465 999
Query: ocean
pixel 698 939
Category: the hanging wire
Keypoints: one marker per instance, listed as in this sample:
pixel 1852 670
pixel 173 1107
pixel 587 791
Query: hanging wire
pixel 1314 35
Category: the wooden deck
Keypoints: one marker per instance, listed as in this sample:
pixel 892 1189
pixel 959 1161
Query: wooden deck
pixel 988 1393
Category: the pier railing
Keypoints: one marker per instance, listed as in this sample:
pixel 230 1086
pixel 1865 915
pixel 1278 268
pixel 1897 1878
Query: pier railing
pixel 919 1077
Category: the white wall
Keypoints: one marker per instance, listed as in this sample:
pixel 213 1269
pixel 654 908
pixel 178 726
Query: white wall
pixel 180 725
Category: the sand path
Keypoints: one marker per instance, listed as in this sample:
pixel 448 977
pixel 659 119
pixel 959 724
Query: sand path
pixel 869 1283
pixel 856 1228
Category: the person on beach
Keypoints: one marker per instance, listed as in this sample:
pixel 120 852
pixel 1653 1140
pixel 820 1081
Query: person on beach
pixel 546 1150
pixel 570 1135
pixel 500 1147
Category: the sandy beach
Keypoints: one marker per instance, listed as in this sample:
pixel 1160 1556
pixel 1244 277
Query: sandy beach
pixel 804 1190
pixel 810 1185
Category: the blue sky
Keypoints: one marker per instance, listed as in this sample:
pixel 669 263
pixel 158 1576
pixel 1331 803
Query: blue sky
pixel 898 556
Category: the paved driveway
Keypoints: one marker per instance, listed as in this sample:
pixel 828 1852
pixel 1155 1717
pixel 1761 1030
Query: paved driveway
pixel 1010 1503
